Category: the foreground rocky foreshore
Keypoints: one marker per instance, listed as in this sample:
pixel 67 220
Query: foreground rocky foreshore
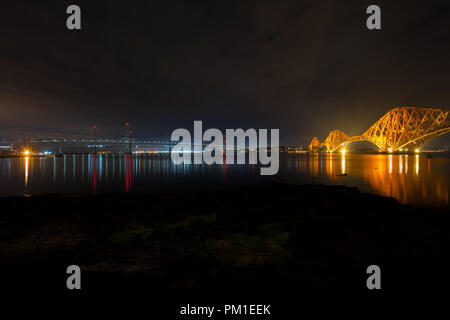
pixel 269 235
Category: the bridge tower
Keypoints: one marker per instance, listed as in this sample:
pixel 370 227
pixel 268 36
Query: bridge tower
pixel 314 145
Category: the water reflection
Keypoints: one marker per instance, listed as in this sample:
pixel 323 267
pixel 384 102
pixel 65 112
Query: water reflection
pixel 390 164
pixel 417 165
pixel 129 172
pixel 94 183
pixel 388 175
pixel 413 179
pixel 26 165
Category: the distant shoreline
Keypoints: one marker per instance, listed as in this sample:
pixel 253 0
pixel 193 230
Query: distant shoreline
pixel 3 156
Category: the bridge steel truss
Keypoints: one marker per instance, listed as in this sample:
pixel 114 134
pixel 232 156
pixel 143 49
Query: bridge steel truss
pixel 402 127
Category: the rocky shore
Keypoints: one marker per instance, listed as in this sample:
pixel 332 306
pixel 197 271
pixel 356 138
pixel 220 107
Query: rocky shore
pixel 270 235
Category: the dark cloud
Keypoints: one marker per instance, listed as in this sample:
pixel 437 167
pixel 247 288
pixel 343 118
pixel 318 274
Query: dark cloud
pixel 305 67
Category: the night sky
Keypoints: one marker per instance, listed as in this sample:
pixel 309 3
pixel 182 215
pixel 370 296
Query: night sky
pixel 305 67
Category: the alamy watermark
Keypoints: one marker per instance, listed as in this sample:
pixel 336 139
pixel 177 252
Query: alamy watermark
pixel 238 144
pixel 73 21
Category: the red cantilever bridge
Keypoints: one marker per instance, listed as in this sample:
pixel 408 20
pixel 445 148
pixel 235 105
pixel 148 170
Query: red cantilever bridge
pixel 402 127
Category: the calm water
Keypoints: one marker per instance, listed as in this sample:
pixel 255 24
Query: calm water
pixel 413 179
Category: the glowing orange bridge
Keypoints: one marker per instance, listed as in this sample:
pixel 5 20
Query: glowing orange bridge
pixel 400 128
